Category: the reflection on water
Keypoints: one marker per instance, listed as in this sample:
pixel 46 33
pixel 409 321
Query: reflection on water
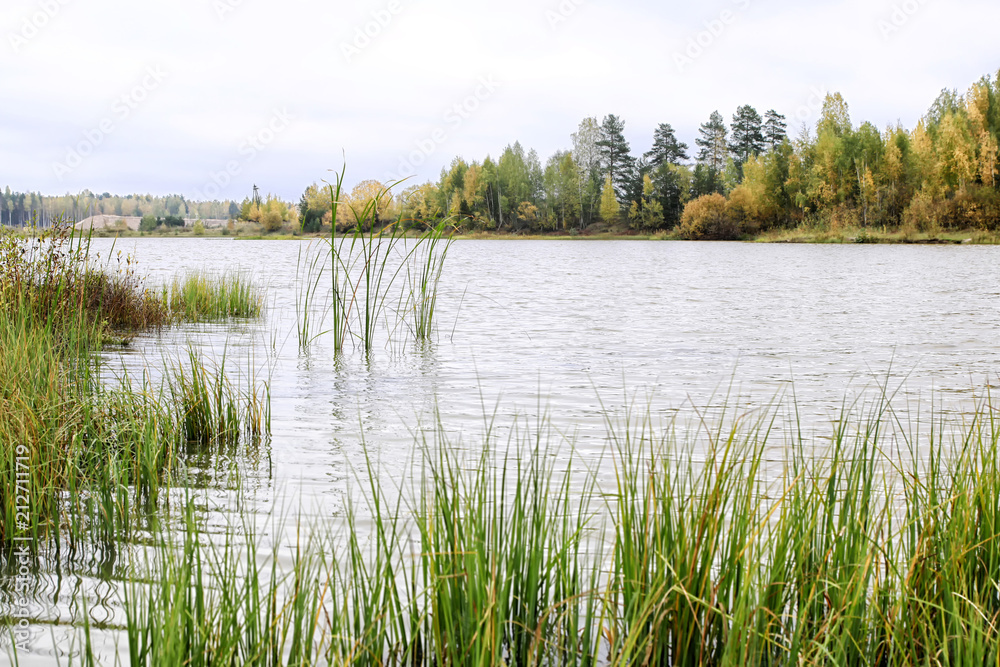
pixel 567 329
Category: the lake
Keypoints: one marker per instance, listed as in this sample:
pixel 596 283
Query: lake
pixel 573 331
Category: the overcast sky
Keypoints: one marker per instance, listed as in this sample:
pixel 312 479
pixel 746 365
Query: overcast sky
pixel 207 97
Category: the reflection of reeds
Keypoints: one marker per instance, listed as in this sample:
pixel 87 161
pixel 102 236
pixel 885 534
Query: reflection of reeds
pixel 882 548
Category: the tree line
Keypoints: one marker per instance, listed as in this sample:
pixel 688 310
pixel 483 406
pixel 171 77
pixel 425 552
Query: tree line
pixel 22 209
pixel 741 178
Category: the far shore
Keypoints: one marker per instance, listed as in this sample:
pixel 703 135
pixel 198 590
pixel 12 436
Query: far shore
pixel 793 235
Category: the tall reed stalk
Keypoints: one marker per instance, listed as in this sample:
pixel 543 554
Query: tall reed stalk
pixel 309 271
pixel 366 264
pixel 77 457
pixel 879 549
pixel 424 279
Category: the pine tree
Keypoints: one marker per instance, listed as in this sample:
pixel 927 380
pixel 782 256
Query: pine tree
pixel 714 151
pixel 666 148
pixel 748 136
pixel 616 161
pixel 775 129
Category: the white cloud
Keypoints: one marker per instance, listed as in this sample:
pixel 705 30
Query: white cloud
pixel 419 58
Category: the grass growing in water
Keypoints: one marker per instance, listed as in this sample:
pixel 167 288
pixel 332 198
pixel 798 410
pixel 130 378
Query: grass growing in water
pixel 883 550
pixel 365 265
pixel 198 296
pixel 309 274
pixel 76 457
pixel 424 279
pixel 211 410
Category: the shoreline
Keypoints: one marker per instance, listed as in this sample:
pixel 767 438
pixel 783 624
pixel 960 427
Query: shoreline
pixel 785 236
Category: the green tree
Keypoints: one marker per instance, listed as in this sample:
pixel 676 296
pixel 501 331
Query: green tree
pixel 832 179
pixel 775 129
pixel 535 175
pixel 835 116
pixel 947 102
pixel 475 194
pixel 647 212
pixel 748 136
pixel 562 196
pixel 897 173
pixel 490 184
pixel 616 160
pixel 713 154
pixel 587 156
pixel 673 184
pixel 666 148
pixel 514 181
pixel 453 180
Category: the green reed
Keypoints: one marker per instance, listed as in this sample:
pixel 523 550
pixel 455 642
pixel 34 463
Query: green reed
pixel 367 262
pixel 77 458
pixel 199 296
pixel 877 546
pixel 309 269
pixel 424 279
pixel 209 407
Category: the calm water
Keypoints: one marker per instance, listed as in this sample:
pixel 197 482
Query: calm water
pixel 566 327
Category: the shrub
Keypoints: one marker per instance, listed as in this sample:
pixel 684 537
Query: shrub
pixel 975 207
pixel 924 214
pixel 708 217
pixel 172 221
pixel 199 228
pixel 272 221
pixel 148 223
pixel 744 211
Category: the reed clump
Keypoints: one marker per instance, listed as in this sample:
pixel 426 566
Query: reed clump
pixel 199 296
pixel 877 546
pixel 76 457
pixel 51 278
pixel 424 279
pixel 211 409
pixel 366 264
